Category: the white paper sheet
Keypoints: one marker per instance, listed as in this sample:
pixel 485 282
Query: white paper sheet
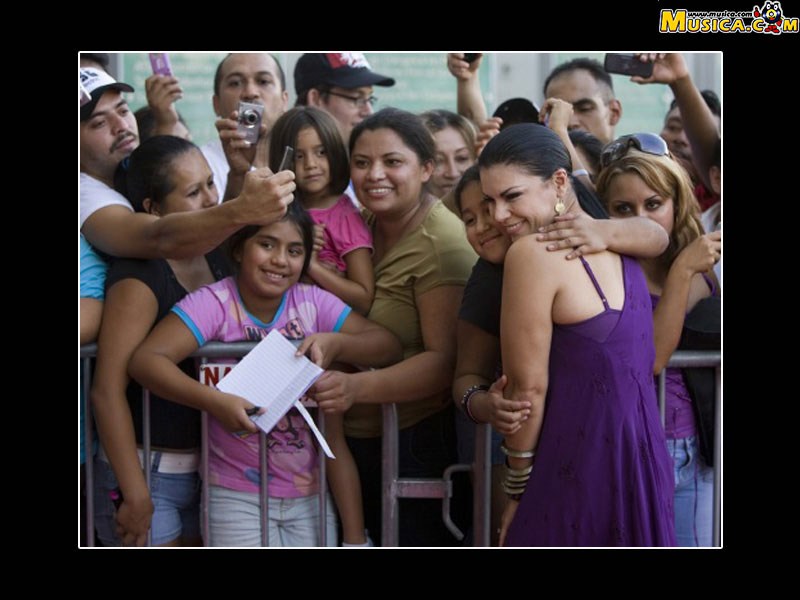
pixel 273 377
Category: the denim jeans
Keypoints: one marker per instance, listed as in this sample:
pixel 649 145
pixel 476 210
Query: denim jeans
pixel 176 503
pixel 694 493
pixel 235 519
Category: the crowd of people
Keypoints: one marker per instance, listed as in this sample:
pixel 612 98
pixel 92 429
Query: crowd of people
pixel 531 269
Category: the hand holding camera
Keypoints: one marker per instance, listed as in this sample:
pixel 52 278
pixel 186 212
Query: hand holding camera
pixel 249 121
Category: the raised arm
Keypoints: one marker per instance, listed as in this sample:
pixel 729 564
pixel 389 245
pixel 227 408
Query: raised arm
pixel 698 120
pixel 162 92
pixel 683 288
pixel 120 232
pixel 556 114
pixel 469 96
pixel 130 311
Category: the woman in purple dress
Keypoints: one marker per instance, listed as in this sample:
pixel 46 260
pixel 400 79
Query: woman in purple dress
pixel 589 467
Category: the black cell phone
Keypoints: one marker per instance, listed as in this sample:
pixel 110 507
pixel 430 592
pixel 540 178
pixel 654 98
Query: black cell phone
pixel 288 158
pixel 471 57
pixel 627 64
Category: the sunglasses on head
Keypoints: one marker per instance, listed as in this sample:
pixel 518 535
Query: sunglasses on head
pixel 646 142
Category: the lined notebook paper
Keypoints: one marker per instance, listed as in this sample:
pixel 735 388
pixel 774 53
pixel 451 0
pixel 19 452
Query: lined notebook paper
pixel 273 377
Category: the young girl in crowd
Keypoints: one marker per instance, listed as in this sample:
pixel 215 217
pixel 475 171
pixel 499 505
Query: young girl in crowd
pixel 264 295
pixel 340 263
pixel 639 177
pixel 166 175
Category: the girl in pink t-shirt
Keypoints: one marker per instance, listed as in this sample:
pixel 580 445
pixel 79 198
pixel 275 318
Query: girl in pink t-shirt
pixel 341 262
pixel 264 295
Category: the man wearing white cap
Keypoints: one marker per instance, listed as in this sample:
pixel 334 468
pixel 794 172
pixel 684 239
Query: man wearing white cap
pixel 340 83
pixel 108 134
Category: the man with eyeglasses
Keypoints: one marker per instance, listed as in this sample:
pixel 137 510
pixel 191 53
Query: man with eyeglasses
pixel 340 83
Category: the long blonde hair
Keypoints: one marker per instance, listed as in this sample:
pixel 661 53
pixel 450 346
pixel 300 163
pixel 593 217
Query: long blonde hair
pixel 669 179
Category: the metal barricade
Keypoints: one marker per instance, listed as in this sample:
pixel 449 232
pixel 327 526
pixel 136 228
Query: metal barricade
pixel 687 359
pixel 211 350
pixel 393 486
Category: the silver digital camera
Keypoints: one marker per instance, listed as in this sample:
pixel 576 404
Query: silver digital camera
pixel 250 120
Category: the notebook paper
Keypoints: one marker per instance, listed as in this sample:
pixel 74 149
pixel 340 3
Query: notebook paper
pixel 273 377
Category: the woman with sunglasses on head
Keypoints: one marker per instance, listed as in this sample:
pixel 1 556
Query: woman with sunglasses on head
pixel 589 466
pixel 640 178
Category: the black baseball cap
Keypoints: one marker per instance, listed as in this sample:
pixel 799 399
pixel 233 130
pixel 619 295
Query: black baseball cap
pixel 342 69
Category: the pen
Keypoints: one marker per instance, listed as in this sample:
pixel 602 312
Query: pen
pixel 251 411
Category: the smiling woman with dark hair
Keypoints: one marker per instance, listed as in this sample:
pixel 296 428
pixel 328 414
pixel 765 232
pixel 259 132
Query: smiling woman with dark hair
pixel 589 466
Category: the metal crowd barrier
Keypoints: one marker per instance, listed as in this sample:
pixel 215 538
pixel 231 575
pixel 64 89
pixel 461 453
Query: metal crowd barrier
pixel 685 359
pixel 394 488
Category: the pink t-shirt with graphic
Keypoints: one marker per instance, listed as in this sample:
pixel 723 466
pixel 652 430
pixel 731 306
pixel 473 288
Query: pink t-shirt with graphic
pixel 216 313
pixel 345 231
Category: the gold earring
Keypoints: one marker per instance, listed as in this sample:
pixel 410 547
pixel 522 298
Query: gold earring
pixel 560 207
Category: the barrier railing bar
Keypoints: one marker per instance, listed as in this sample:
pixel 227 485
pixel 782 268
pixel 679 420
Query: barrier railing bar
pixel 323 497
pixel 204 522
pixel 263 487
pixel 146 448
pixel 88 467
pixel 390 525
pixel 393 488
pixel 717 457
pixel 482 486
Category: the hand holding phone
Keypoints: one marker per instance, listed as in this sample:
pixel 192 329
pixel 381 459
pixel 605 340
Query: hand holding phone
pixel 627 64
pixel 160 64
pixel 286 161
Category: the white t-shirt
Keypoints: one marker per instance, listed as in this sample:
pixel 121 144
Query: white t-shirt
pixel 94 195
pixel 215 156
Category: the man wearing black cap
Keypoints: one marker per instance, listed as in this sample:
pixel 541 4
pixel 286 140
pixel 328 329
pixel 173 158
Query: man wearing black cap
pixel 339 83
pixel 108 134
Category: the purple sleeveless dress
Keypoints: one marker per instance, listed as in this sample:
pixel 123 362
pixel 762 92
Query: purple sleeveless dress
pixel 602 474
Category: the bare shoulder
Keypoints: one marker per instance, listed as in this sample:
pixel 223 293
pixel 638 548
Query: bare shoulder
pixel 527 251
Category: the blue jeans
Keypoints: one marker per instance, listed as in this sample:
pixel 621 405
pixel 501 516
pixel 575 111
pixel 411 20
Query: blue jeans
pixel 694 493
pixel 235 519
pixel 176 502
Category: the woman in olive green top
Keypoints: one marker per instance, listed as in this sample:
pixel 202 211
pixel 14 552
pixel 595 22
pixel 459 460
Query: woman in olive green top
pixel 422 261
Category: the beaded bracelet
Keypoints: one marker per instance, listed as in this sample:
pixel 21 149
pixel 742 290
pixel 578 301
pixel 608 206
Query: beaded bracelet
pixel 465 399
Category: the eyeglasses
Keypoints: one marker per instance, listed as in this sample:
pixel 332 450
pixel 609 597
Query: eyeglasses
pixel 646 142
pixel 357 102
